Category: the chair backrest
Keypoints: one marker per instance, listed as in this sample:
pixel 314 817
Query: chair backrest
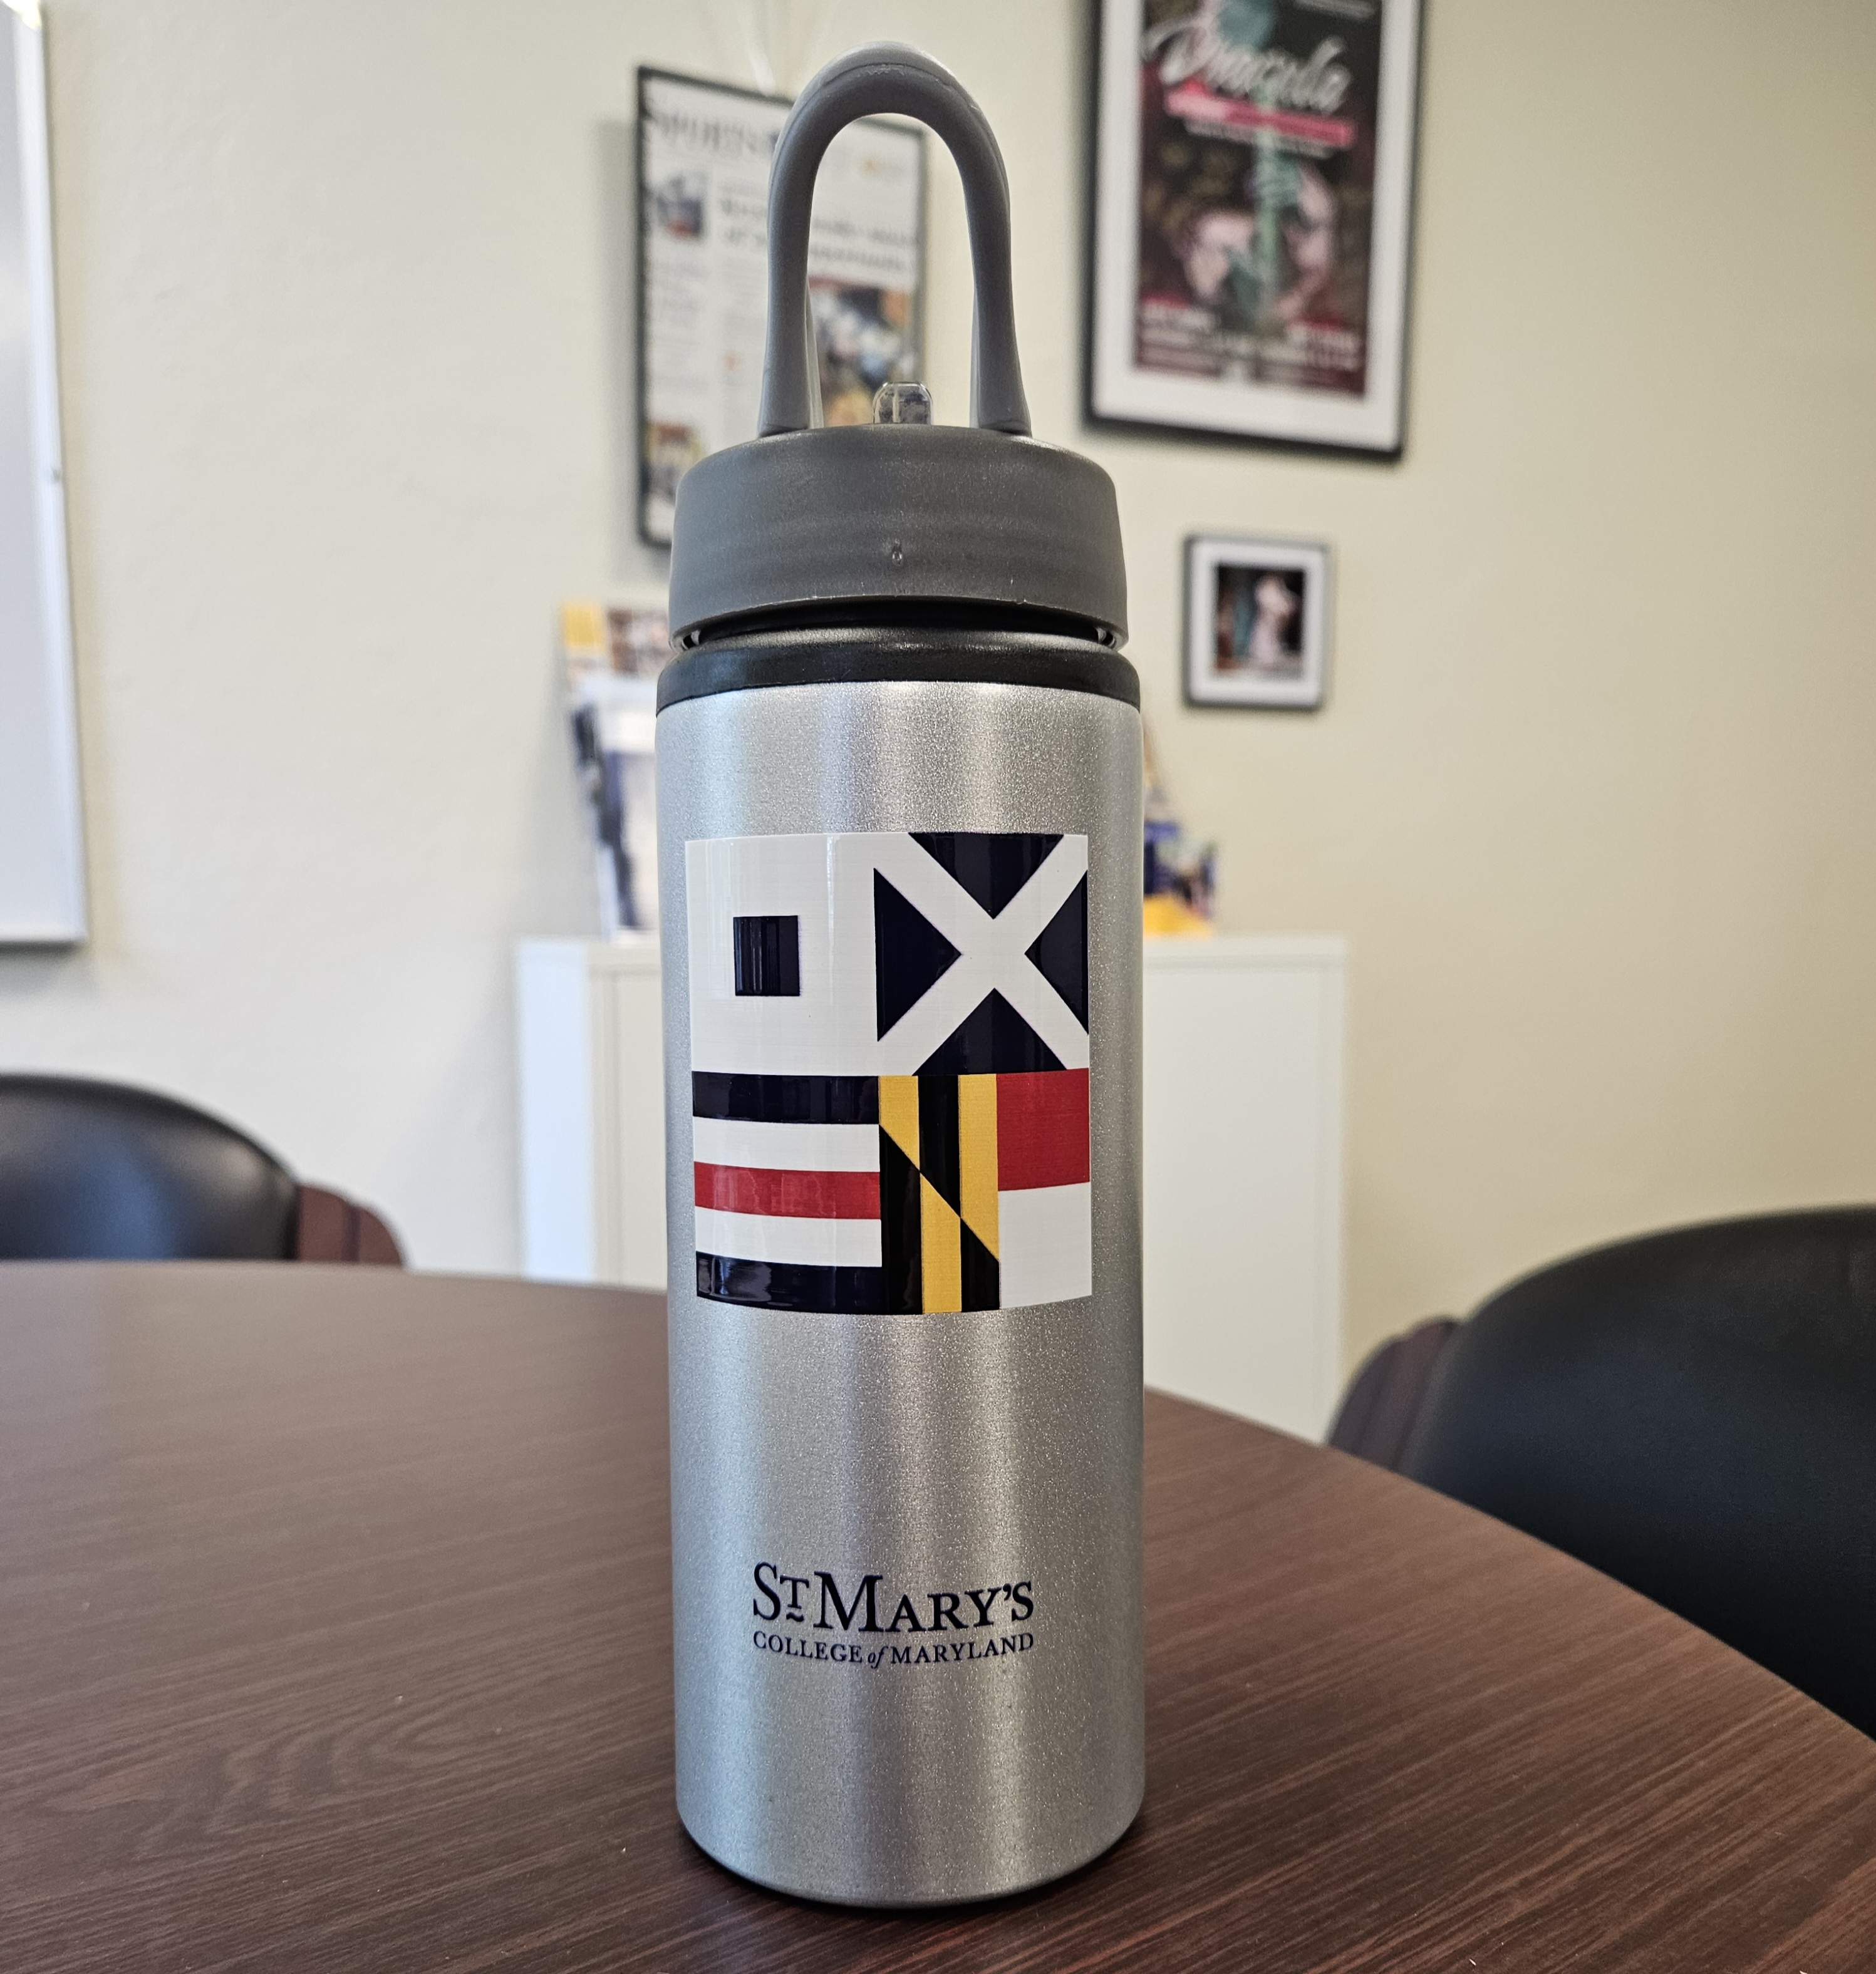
pixel 95 1171
pixel 1382 1405
pixel 331 1228
pixel 1694 1413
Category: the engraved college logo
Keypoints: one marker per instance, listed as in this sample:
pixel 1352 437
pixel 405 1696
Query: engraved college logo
pixel 889 1042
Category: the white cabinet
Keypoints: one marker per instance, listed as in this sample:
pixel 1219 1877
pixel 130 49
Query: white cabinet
pixel 592 1110
pixel 1243 1139
pixel 1242 1077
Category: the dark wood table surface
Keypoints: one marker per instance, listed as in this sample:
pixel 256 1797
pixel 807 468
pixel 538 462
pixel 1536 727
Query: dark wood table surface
pixel 334 1634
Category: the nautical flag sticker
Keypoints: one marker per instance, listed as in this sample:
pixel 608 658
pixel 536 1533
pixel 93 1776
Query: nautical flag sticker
pixel 889 1043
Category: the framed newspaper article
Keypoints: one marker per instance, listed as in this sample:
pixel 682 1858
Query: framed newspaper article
pixel 1251 205
pixel 703 155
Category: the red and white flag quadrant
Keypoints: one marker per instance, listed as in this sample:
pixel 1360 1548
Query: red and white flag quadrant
pixel 805 1195
pixel 1045 1224
pixel 890 1086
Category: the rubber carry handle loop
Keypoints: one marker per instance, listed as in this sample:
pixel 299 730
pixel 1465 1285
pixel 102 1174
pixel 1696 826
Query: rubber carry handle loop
pixel 889 78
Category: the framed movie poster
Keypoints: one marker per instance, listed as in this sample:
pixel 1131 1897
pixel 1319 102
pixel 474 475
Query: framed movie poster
pixel 703 155
pixel 1253 167
pixel 1257 622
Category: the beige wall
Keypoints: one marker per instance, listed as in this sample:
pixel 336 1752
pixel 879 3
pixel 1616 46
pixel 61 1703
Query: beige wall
pixel 344 288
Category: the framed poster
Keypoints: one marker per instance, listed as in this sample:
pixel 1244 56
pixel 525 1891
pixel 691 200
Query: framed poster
pixel 1251 202
pixel 1257 622
pixel 42 888
pixel 703 155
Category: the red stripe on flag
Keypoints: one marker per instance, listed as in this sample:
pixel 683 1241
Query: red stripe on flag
pixel 1042 1129
pixel 792 1196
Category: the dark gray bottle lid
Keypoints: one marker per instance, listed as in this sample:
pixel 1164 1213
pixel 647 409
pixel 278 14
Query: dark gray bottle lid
pixel 894 512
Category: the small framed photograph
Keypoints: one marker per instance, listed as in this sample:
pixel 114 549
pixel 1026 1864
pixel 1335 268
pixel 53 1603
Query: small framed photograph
pixel 1257 622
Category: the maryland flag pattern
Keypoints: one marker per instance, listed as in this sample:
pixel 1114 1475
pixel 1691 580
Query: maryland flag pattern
pixel 889 1093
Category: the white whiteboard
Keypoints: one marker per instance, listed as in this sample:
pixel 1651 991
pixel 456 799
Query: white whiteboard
pixel 42 896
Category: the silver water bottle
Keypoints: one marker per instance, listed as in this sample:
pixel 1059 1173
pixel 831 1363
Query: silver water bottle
pixel 899 789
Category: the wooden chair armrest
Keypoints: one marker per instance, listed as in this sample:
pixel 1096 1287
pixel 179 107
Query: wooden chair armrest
pixel 330 1227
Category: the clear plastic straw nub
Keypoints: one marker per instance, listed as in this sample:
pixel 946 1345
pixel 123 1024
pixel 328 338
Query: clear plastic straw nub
pixel 902 404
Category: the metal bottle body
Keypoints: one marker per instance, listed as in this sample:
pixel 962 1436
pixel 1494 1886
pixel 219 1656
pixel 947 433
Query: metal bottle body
pixel 983 1464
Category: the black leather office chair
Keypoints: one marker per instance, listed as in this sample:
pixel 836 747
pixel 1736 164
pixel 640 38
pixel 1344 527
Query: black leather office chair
pixel 93 1171
pixel 1693 1413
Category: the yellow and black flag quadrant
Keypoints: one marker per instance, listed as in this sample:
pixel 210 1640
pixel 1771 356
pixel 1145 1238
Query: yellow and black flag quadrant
pixel 938 1192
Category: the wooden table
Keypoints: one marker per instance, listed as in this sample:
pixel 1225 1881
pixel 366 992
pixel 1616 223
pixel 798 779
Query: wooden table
pixel 334 1634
